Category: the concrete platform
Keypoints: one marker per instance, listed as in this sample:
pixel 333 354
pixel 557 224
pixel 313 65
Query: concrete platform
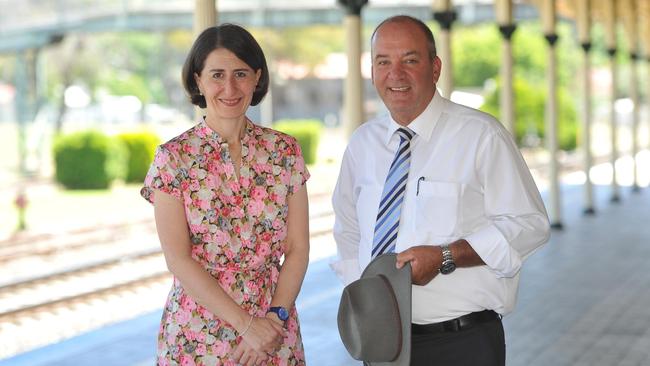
pixel 584 300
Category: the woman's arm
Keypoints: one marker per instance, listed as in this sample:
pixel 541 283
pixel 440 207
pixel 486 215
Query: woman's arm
pixel 174 235
pixel 296 251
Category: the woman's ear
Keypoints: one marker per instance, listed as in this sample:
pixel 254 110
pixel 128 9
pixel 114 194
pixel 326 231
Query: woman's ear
pixel 197 80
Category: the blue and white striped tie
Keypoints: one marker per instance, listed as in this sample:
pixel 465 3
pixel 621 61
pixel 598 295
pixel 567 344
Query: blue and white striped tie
pixel 392 196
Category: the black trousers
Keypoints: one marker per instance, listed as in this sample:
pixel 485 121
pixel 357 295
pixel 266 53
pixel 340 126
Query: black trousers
pixel 481 345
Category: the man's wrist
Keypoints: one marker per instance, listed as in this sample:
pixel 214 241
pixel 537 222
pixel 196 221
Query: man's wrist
pixel 448 265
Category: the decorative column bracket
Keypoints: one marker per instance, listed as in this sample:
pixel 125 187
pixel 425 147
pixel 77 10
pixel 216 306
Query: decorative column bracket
pixel 445 18
pixel 612 52
pixel 551 39
pixel 353 7
pixel 507 31
pixel 586 46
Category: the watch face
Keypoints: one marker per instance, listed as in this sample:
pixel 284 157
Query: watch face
pixel 283 314
pixel 447 268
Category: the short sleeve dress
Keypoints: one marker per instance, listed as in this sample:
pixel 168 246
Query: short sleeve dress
pixel 237 228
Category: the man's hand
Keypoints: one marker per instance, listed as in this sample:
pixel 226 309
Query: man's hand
pixel 425 262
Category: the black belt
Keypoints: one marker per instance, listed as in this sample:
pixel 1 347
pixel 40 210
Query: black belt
pixel 454 325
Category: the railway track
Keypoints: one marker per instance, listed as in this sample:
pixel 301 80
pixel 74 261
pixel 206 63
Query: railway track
pixel 47 244
pixel 102 278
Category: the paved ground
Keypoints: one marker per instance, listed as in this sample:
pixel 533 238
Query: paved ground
pixel 583 301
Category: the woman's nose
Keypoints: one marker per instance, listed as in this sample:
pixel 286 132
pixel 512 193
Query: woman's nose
pixel 229 84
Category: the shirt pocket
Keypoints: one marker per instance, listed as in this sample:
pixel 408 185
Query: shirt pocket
pixel 367 205
pixel 438 207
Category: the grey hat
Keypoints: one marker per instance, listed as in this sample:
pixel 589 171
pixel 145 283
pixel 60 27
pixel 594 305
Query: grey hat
pixel 374 316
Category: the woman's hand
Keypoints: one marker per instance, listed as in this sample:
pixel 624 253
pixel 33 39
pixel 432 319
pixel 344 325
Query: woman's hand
pixel 245 355
pixel 263 337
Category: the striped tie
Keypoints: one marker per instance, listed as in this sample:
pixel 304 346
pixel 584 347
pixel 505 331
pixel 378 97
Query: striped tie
pixel 392 196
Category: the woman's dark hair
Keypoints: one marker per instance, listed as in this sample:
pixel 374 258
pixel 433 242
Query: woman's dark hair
pixel 235 39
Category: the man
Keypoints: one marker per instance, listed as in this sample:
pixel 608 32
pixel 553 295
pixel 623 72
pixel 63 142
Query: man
pixel 445 187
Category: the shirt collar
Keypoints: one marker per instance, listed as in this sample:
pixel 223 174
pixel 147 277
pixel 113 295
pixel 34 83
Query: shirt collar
pixel 216 140
pixel 423 124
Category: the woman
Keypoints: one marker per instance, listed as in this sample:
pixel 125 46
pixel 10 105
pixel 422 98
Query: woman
pixel 230 201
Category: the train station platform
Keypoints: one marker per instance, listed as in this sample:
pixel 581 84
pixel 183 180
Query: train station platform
pixel 583 301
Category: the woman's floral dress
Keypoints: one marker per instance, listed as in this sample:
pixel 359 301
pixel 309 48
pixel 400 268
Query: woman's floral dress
pixel 237 229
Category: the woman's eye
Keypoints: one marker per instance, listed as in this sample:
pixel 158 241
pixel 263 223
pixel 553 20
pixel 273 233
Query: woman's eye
pixel 217 75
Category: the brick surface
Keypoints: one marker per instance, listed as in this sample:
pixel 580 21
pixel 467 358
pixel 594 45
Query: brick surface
pixel 583 300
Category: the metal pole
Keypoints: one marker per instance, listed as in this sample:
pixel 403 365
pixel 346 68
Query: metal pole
pixel 611 40
pixel 506 28
pixel 353 104
pixel 548 19
pixel 21 105
pixel 584 27
pixel 445 16
pixel 634 94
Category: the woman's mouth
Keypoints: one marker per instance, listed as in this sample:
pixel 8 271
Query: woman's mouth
pixel 230 102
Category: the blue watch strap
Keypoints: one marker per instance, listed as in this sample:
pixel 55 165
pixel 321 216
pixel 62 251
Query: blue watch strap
pixel 281 312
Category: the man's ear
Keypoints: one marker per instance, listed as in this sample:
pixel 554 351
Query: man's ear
pixel 437 68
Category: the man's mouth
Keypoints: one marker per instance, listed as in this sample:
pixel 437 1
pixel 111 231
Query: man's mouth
pixel 400 89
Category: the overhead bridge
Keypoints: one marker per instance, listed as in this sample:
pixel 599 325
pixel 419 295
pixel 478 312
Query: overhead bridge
pixel 35 24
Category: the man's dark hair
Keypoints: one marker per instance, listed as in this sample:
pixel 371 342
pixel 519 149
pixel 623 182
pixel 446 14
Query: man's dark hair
pixel 235 39
pixel 431 43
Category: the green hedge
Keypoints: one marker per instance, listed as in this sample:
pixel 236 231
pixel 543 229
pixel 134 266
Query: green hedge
pixel 307 132
pixel 140 147
pixel 88 160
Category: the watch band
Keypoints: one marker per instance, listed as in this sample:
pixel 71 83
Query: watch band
pixel 280 311
pixel 448 265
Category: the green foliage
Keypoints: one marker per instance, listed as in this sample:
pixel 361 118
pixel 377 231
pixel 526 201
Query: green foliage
pixel 88 160
pixel 530 51
pixel 301 45
pixel 476 56
pixel 140 147
pixel 127 84
pixel 530 102
pixel 307 132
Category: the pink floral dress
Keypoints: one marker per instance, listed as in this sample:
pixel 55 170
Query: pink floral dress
pixel 237 228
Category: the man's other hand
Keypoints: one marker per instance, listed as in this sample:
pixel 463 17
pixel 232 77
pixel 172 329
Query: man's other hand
pixel 425 262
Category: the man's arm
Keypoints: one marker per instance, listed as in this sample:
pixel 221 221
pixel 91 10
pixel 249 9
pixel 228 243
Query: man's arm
pixel 517 220
pixel 346 226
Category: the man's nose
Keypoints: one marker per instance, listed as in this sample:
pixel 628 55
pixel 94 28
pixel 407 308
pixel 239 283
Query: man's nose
pixel 396 71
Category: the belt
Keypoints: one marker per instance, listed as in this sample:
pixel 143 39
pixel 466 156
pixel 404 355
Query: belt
pixel 455 325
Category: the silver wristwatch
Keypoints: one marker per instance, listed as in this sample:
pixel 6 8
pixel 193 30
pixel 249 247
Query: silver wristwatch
pixel 448 264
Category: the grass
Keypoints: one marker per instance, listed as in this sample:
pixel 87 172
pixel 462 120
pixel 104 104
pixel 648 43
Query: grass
pixel 51 209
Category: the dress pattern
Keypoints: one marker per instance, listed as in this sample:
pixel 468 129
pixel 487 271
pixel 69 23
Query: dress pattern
pixel 237 227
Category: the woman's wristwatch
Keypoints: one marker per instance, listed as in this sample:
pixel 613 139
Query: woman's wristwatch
pixel 280 311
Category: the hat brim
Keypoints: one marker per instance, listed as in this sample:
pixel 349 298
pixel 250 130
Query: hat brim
pixel 400 280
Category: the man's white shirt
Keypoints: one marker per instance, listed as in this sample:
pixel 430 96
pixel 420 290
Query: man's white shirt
pixel 468 180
